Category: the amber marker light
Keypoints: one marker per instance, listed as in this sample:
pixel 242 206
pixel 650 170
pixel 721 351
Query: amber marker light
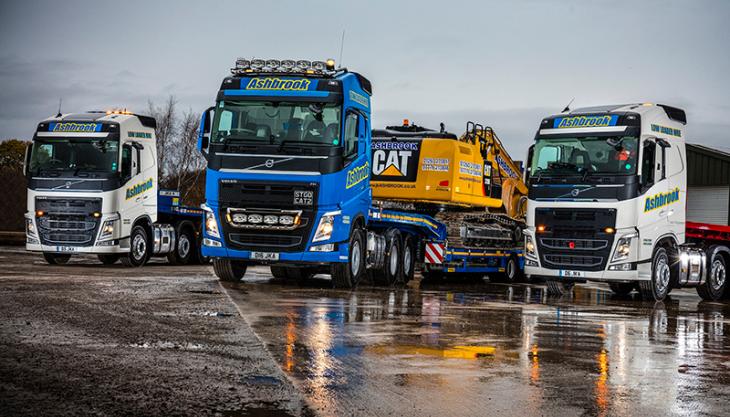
pixel 540 228
pixel 39 213
pixel 609 230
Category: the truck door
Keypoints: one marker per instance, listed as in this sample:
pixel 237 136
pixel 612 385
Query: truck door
pixel 652 212
pixel 357 163
pixel 132 197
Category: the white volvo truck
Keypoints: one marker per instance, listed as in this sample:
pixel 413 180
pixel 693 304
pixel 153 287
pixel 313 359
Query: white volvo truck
pixel 608 202
pixel 92 188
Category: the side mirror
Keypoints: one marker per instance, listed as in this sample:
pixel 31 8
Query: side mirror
pixel 528 165
pixel 26 158
pixel 204 131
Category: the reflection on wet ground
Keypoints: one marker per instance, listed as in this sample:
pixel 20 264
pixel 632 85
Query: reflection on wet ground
pixel 488 348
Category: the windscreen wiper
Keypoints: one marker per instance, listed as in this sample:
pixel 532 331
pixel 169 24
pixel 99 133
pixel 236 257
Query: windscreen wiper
pixel 294 142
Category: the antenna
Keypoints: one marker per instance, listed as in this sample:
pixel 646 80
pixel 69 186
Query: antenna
pixel 567 108
pixel 342 46
pixel 60 100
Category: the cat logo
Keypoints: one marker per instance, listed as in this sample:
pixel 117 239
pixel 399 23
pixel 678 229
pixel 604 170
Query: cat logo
pixel 395 160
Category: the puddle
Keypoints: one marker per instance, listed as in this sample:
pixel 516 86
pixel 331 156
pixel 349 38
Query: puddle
pixel 211 314
pixel 164 345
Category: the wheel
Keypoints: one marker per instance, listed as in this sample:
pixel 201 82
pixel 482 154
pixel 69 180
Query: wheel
pixel 185 249
pixel 409 259
pixel 56 258
pixel 621 288
pixel 511 274
pixel 714 287
pixel 559 288
pixel 279 272
pixel 392 270
pixel 348 274
pixel 229 270
pixel 109 258
pixel 661 275
pixel 139 248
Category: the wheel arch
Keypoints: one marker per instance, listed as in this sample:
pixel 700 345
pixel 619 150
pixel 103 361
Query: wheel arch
pixel 146 222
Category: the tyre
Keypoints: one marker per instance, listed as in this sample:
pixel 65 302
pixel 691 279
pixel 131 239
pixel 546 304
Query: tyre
pixel 229 270
pixel 109 259
pixel 511 274
pixel 408 261
pixel 714 287
pixel 661 276
pixel 392 268
pixel 621 288
pixel 348 274
pixel 279 272
pixel 139 251
pixel 185 247
pixel 559 288
pixel 56 258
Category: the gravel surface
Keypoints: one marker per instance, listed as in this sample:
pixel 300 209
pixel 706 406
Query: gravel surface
pixel 87 339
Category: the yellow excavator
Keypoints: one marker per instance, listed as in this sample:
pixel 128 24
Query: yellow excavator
pixel 470 181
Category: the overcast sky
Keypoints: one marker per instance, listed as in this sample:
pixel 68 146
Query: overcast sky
pixel 505 64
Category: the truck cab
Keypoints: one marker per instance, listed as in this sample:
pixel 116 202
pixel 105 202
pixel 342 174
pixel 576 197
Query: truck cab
pixel 287 182
pixel 607 195
pixel 93 188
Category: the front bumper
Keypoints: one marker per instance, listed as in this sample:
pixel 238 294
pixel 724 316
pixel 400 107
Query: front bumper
pixel 75 249
pixel 606 276
pixel 338 256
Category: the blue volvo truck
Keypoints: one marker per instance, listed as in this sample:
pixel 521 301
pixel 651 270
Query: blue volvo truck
pixel 288 146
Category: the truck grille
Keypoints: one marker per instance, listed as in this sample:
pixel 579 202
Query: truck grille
pixel 575 238
pixel 263 198
pixel 68 221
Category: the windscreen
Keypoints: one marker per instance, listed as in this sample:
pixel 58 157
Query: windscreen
pixel 616 155
pixel 277 122
pixel 55 155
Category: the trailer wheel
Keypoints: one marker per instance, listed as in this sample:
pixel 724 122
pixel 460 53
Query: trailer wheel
pixel 185 247
pixel 409 259
pixel 229 270
pixel 139 248
pixel 661 276
pixel 621 288
pixel 511 274
pixel 559 288
pixel 348 274
pixel 392 267
pixel 109 258
pixel 56 258
pixel 714 287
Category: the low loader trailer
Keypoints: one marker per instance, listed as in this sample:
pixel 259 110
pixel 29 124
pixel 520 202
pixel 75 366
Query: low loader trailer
pixel 93 189
pixel 609 200
pixel 288 184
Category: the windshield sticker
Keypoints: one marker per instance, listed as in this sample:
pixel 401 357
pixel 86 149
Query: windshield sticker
pixel 139 189
pixel 666 130
pixel 585 121
pixel 357 175
pixel 359 99
pixel 271 83
pixel 661 200
pixel 74 127
pixel 140 135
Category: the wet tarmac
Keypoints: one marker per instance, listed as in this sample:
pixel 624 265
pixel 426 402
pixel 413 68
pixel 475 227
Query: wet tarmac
pixel 492 349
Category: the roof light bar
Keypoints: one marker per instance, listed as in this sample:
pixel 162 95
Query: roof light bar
pixel 302 66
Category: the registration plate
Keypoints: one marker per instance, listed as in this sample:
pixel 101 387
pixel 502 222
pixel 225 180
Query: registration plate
pixel 265 256
pixel 66 248
pixel 571 274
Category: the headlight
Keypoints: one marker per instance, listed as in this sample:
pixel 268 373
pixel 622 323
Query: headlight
pixel 29 227
pixel 107 229
pixel 325 227
pixel 623 248
pixel 211 226
pixel 529 247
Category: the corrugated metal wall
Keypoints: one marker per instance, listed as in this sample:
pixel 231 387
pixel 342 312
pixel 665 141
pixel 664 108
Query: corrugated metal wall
pixel 707 169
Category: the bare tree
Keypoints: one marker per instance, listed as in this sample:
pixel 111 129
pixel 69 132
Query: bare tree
pixel 166 116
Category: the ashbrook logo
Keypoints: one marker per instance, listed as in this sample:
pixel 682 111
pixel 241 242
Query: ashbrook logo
pixel 139 188
pixel 278 84
pixel 660 200
pixel 585 121
pixel 74 127
pixel 357 175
